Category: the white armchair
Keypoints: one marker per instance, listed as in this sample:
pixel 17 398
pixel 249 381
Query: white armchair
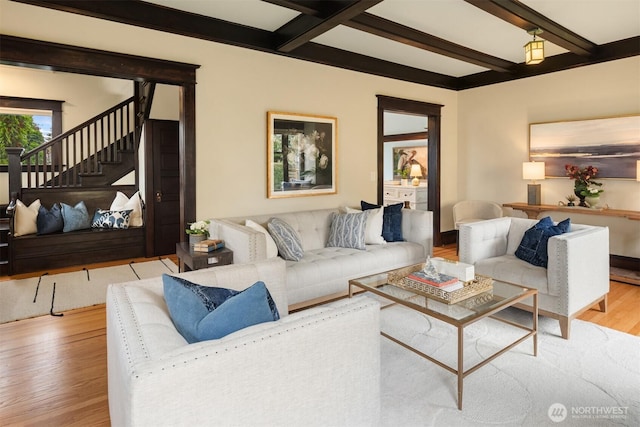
pixel 577 276
pixel 319 366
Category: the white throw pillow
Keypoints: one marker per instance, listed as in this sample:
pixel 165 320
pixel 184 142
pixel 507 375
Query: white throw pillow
pixel 272 249
pixel 26 218
pixel 373 227
pixel 122 203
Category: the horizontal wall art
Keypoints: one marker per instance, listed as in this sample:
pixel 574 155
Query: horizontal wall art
pixel 610 144
pixel 301 153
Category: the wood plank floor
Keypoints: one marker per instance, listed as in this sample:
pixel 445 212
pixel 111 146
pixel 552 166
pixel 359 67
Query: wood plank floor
pixel 53 370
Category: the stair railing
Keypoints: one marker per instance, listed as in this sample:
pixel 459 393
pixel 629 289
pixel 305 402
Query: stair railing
pixel 80 151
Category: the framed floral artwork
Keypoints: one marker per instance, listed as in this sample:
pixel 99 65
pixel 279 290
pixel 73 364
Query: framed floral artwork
pixel 610 144
pixel 301 155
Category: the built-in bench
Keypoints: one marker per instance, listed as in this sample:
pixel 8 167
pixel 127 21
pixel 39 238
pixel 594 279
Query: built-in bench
pixel 41 252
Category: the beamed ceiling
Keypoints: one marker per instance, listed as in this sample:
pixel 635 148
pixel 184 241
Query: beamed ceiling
pixel 453 44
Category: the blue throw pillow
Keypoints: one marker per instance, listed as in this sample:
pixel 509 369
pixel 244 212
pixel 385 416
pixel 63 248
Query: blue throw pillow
pixel 391 221
pixel 111 219
pixel 533 247
pixel 207 313
pixel 287 239
pixel 347 230
pixel 49 221
pixel 75 217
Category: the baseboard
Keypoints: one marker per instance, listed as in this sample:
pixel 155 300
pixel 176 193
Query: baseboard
pixel 449 237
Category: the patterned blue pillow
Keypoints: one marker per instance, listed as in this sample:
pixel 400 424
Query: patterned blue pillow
pixel 111 219
pixel 347 230
pixel 75 217
pixel 533 247
pixel 286 238
pixel 49 221
pixel 206 313
pixel 391 221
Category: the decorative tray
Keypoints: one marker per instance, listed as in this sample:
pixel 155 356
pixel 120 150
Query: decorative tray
pixel 471 288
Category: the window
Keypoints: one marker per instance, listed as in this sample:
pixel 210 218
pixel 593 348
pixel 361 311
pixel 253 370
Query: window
pixel 27 122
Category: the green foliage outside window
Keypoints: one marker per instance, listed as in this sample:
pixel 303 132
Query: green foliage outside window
pixel 18 131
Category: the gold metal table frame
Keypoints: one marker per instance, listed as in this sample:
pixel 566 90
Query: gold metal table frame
pixel 505 295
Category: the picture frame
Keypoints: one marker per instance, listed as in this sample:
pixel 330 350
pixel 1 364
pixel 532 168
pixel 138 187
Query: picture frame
pixel 611 144
pixel 301 155
pixel 404 157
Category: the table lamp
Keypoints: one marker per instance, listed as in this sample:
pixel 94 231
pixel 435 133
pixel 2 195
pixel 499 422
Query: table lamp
pixel 416 173
pixel 533 171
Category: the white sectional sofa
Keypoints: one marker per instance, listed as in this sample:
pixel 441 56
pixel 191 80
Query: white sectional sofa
pixel 324 272
pixel 319 366
pixel 577 275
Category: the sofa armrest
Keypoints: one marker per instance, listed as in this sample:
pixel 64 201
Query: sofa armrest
pixel 319 367
pixel 417 227
pixel 247 244
pixel 578 268
pixel 483 239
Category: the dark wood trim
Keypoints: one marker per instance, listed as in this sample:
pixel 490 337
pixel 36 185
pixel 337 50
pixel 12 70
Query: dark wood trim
pixel 628 263
pixel 50 56
pixel 305 28
pixel 406 136
pixel 37 104
pixel 74 59
pixel 148 15
pixel 607 52
pixel 433 112
pixel 187 156
pixel 449 237
pixel 522 16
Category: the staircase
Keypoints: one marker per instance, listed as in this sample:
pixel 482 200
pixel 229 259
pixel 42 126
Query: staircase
pixel 94 154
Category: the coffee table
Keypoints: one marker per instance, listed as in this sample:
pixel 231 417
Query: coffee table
pixel 460 315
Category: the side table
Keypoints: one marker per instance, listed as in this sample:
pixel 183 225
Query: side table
pixel 188 259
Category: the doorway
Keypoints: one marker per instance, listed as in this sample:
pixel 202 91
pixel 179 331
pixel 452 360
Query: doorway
pixel 432 114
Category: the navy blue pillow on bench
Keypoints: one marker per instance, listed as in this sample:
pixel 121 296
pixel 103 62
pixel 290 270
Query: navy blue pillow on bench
pixel 533 247
pixel 49 221
pixel 391 221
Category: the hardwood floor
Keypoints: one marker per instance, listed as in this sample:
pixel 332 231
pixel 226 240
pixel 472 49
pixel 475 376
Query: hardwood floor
pixel 53 370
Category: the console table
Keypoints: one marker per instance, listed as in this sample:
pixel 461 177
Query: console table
pixel 532 211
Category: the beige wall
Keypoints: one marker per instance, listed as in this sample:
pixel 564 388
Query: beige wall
pixel 493 128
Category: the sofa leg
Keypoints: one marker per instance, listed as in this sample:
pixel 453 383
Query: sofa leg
pixel 603 304
pixel 565 327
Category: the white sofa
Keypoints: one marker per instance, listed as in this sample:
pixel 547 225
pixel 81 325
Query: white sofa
pixel 324 272
pixel 316 367
pixel 577 275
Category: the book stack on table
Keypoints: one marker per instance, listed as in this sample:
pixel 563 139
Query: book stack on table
pixel 208 245
pixel 443 282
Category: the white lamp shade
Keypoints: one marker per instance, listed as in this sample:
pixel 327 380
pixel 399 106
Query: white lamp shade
pixel 533 170
pixel 416 170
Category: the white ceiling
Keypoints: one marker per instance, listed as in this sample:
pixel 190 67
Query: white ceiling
pixel 599 21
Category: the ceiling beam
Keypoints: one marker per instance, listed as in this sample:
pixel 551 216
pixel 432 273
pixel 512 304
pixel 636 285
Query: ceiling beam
pixel 376 25
pixel 613 51
pixel 305 28
pixel 522 16
pixel 381 27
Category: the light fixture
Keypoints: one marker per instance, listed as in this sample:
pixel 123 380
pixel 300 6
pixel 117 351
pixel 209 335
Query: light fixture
pixel 416 173
pixel 533 171
pixel 534 50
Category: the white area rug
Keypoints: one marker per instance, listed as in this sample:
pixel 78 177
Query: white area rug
pixel 52 294
pixel 591 379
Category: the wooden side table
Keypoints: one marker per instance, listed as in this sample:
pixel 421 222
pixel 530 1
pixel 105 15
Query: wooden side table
pixel 188 259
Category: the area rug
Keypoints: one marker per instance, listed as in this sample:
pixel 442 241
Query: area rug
pixel 591 379
pixel 54 294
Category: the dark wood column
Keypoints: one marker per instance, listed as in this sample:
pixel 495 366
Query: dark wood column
pixel 188 155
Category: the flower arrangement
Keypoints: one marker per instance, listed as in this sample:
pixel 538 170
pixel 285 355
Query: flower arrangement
pixel 199 227
pixel 584 185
